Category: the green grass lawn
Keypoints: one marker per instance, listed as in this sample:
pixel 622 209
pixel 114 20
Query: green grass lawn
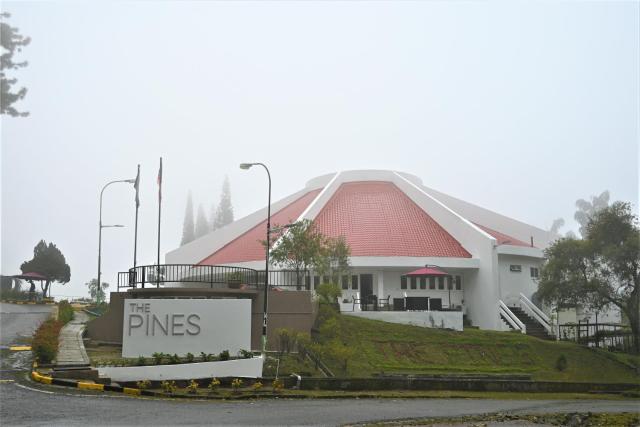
pixel 402 349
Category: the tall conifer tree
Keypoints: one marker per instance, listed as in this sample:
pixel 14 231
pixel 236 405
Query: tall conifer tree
pixel 188 231
pixel 224 213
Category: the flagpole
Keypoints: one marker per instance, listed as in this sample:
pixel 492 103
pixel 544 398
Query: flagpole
pixel 159 216
pixel 135 233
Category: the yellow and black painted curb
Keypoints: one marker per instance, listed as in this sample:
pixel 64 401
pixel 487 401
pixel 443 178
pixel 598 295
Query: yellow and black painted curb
pixel 36 376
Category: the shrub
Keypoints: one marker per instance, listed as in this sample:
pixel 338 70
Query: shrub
pixel 236 384
pixel 224 355
pixel 168 387
pixel 245 354
pixel 277 385
pixel 189 357
pixel 192 387
pixel 256 386
pixel 174 359
pixel 561 363
pixel 157 358
pixel 214 385
pixel 45 341
pixel 141 361
pixel 205 357
pixel 65 312
pixel 143 385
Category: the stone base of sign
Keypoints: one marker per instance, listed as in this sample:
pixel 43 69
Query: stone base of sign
pixel 241 368
pixel 75 373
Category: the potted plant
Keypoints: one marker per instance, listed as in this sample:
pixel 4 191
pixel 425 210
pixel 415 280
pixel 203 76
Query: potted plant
pixel 234 280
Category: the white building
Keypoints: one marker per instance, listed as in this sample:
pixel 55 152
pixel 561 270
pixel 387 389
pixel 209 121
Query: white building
pixel 393 225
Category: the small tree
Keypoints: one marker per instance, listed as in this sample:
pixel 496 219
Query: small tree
pixel 188 231
pixel 49 262
pixel 329 293
pixel 300 248
pixel 334 260
pixel 96 292
pixel 602 269
pixel 588 208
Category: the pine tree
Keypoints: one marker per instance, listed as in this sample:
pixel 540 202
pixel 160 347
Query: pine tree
pixel 187 226
pixel 212 217
pixel 202 225
pixel 224 213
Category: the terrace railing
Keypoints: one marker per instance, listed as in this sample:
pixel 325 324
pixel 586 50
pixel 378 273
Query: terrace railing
pixel 146 276
pixel 160 275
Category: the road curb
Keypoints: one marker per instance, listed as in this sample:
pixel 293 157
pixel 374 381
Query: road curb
pixel 82 385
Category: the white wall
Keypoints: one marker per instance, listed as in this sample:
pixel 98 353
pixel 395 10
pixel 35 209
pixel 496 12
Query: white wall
pixel 424 319
pixel 247 368
pixel 511 283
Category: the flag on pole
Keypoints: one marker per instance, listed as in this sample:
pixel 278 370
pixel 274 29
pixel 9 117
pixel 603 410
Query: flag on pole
pixel 136 185
pixel 160 181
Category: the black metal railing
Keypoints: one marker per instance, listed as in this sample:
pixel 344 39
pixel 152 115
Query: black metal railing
pixel 146 276
pixel 159 275
pixel 611 336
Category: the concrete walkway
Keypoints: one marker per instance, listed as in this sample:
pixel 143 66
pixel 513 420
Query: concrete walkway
pixel 71 350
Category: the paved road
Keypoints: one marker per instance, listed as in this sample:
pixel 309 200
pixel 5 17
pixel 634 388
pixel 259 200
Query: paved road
pixel 18 321
pixel 76 409
pixel 26 403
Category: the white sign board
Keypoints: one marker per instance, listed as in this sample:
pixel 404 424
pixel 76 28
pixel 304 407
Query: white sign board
pixel 184 326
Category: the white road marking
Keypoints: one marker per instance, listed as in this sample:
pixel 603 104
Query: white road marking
pixel 33 389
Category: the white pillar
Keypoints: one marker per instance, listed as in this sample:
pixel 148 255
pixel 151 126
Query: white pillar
pixel 381 285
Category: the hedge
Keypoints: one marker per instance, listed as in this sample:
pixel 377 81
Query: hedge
pixel 65 312
pixel 45 341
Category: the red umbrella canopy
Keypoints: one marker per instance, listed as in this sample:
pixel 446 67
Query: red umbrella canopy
pixel 30 276
pixel 428 271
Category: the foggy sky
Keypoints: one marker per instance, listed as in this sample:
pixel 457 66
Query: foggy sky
pixel 519 107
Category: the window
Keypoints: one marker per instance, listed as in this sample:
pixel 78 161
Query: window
pixel 403 282
pixel 307 282
pixel 423 283
pixel 515 268
pixel 345 282
pixel 440 282
pixel 414 283
pixel 450 282
pixel 325 279
pixel 316 281
pixel 535 272
pixel 354 281
pixel 458 283
pixel 432 282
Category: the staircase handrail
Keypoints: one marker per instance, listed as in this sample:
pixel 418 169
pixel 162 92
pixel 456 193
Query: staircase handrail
pixel 511 318
pixel 536 313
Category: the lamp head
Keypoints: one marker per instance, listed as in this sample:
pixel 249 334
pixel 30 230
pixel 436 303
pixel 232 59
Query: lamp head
pixel 130 181
pixel 245 166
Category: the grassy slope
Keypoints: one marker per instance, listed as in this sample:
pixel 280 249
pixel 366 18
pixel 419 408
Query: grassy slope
pixel 392 348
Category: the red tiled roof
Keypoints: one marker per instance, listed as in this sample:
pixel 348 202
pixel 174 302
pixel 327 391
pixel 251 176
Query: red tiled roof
pixel 502 238
pixel 248 246
pixel 378 219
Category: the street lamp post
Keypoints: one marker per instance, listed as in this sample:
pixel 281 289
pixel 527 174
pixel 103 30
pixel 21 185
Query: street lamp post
pixel 100 226
pixel 246 166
